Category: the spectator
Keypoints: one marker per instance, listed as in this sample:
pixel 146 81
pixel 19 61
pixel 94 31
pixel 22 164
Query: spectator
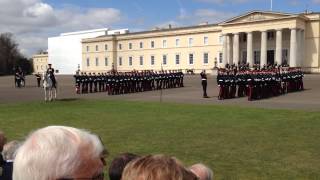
pixel 202 171
pixel 8 153
pixel 156 167
pixel 118 164
pixel 3 140
pixel 58 152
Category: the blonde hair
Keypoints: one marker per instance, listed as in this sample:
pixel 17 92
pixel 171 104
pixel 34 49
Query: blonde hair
pixel 156 167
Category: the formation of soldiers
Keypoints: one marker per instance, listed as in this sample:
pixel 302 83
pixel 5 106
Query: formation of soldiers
pixel 259 83
pixel 115 83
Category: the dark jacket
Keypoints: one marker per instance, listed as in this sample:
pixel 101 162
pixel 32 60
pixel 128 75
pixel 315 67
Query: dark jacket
pixel 7 171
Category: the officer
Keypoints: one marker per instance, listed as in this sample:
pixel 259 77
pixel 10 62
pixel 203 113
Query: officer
pixel 50 71
pixel 204 83
pixel 38 76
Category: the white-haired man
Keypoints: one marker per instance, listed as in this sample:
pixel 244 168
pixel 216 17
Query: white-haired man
pixel 202 171
pixel 59 152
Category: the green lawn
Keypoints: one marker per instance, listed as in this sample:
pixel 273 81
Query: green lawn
pixel 237 143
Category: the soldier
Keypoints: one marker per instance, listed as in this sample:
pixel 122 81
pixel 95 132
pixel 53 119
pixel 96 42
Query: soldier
pixel 77 82
pixel 38 77
pixel 50 71
pixel 204 83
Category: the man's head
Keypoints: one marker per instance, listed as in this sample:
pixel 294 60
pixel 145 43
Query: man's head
pixel 9 150
pixel 58 152
pixel 3 140
pixel 118 164
pixel 202 171
pixel 49 65
pixel 156 167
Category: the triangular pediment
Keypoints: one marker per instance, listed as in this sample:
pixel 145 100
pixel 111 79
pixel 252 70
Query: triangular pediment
pixel 257 16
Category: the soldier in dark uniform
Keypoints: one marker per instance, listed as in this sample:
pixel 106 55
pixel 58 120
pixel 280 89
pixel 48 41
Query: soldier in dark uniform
pixel 50 71
pixel 204 83
pixel 77 82
pixel 38 77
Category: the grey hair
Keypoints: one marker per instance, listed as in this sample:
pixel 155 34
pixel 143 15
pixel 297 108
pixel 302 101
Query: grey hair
pixel 9 150
pixel 202 171
pixel 54 152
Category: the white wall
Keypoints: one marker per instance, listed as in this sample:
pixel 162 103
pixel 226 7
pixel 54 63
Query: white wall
pixel 65 51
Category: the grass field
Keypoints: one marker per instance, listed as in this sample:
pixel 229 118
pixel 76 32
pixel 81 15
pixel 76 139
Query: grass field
pixel 237 143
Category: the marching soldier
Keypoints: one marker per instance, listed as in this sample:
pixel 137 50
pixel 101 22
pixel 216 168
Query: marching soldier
pixel 204 83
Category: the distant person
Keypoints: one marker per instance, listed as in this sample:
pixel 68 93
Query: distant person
pixel 156 167
pixel 202 171
pixel 50 72
pixel 59 152
pixel 38 76
pixel 204 83
pixel 118 164
pixel 8 152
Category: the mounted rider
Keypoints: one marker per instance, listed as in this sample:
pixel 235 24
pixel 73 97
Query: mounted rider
pixel 50 72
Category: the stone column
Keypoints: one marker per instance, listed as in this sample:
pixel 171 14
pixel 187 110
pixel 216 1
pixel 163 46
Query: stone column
pixel 302 49
pixel 250 49
pixel 293 48
pixel 236 53
pixel 279 47
pixel 229 55
pixel 263 58
pixel 224 51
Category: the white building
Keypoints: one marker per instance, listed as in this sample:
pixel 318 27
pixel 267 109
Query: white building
pixel 65 51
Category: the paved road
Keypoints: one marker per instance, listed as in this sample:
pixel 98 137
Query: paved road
pixel 192 93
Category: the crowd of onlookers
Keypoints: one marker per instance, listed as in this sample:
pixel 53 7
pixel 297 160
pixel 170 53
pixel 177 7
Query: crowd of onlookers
pixel 66 153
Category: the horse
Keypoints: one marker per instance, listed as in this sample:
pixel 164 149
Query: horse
pixel 50 92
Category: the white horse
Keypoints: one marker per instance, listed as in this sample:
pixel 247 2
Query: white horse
pixel 50 92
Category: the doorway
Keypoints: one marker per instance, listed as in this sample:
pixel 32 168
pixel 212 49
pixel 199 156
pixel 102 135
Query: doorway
pixel 270 57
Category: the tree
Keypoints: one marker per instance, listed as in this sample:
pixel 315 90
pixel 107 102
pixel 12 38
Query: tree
pixel 10 56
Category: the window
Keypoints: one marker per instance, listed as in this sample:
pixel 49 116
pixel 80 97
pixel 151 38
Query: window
pixel 270 35
pixel 152 44
pixel 106 61
pixel 130 61
pixel 120 61
pixel 164 59
pixel 88 48
pixel 97 61
pixel 97 48
pixel 152 60
pixel 106 47
pixel 120 46
pixel 244 57
pixel 41 67
pixel 205 40
pixel 141 45
pixel 205 58
pixel 130 45
pixel 164 43
pixel 285 56
pixel 37 68
pixel 244 38
pixel 177 42
pixel 256 57
pixel 88 62
pixel 141 60
pixel 191 59
pixel 190 41
pixel 177 59
pixel 220 57
pixel 220 39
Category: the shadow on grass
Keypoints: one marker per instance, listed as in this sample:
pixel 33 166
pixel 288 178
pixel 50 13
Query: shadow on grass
pixel 68 99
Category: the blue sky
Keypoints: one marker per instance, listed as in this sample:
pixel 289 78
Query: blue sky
pixel 33 21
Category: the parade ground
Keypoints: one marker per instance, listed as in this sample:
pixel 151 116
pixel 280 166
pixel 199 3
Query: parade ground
pixel 275 138
pixel 191 93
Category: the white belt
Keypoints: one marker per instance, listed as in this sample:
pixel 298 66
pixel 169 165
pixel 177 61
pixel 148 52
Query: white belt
pixel 204 79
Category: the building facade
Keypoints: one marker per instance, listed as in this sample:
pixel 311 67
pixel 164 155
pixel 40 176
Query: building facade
pixel 256 37
pixel 40 62
pixel 65 51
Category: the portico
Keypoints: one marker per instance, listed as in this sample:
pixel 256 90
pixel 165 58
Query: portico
pixel 259 39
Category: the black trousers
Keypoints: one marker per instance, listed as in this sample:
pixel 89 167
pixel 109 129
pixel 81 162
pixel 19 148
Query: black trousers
pixel 204 87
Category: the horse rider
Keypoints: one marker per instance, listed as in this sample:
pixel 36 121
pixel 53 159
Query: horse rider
pixel 50 72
